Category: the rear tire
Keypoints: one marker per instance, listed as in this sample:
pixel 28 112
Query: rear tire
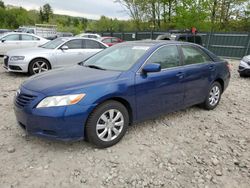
pixel 213 96
pixel 38 65
pixel 107 124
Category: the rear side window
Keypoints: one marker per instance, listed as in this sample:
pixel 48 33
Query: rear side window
pixel 167 57
pixel 193 55
pixel 74 44
pixel 107 40
pixel 91 44
pixel 115 40
pixel 29 37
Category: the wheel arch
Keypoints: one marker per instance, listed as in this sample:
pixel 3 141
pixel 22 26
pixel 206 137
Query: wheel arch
pixel 46 59
pixel 124 102
pixel 221 82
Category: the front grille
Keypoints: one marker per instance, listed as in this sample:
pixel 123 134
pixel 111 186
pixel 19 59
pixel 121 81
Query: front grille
pixel 23 100
pixel 6 59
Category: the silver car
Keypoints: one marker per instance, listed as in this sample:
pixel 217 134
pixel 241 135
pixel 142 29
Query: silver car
pixel 11 41
pixel 58 53
pixel 244 67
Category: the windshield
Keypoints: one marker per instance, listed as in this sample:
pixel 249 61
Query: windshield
pixel 117 58
pixel 53 44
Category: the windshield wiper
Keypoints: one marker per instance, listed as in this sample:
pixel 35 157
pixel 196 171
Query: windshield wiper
pixel 95 67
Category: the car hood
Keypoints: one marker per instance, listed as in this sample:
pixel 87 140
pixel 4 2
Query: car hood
pixel 246 58
pixel 28 51
pixel 68 79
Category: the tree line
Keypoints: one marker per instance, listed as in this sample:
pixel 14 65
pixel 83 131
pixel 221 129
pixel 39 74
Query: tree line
pixel 206 15
pixel 145 15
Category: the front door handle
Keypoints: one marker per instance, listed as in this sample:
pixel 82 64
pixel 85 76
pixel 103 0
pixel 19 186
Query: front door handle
pixel 180 75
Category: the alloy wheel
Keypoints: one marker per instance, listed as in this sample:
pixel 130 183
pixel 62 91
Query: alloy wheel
pixel 40 66
pixel 214 95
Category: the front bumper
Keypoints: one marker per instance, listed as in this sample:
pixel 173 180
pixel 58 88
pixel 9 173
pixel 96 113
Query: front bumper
pixel 15 66
pixel 244 68
pixel 59 123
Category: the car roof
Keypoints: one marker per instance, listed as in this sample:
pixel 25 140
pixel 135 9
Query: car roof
pixel 154 42
pixel 31 34
pixel 71 38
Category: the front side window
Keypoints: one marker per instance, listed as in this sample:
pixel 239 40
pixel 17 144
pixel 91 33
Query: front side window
pixel 194 55
pixel 74 44
pixel 13 37
pixel 167 57
pixel 53 44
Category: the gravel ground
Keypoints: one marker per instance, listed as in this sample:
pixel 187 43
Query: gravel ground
pixel 189 148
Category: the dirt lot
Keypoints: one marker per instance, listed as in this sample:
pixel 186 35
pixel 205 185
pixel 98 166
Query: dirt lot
pixel 190 148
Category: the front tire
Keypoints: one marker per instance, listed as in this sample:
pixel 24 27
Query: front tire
pixel 107 124
pixel 213 97
pixel 38 65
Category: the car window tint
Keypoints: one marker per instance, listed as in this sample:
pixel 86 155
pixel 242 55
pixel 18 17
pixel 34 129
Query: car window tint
pixel 107 40
pixel 194 55
pixel 194 39
pixel 28 37
pixel 91 44
pixel 167 57
pixel 14 37
pixel 74 44
pixel 115 40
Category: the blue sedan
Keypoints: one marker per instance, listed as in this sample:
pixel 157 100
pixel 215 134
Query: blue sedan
pixel 129 82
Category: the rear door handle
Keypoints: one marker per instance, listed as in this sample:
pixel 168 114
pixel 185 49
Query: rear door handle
pixel 180 75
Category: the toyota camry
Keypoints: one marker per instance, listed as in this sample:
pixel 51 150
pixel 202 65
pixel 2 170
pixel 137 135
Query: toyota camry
pixel 130 82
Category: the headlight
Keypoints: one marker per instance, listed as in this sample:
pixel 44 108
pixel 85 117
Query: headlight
pixel 63 100
pixel 17 58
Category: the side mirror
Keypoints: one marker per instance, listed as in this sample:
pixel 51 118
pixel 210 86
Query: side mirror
pixel 2 40
pixel 151 67
pixel 64 47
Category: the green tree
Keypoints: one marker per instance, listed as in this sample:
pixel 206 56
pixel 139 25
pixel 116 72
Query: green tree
pixel 46 13
pixel 2 4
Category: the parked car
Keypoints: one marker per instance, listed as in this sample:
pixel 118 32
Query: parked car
pixel 110 41
pixel 64 34
pixel 244 67
pixel 185 37
pixel 58 53
pixel 89 35
pixel 12 41
pixel 126 83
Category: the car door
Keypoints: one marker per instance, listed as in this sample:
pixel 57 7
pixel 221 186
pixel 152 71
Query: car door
pixel 72 55
pixel 91 47
pixel 9 42
pixel 199 70
pixel 162 91
pixel 29 41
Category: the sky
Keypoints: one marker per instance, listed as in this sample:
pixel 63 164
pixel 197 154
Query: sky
pixel 91 9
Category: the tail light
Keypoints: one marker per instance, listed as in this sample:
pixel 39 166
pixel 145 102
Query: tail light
pixel 229 66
